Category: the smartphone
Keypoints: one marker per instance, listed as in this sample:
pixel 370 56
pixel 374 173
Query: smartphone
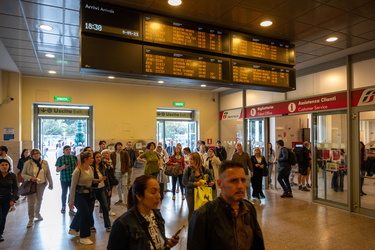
pixel 178 232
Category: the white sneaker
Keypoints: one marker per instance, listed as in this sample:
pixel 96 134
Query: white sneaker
pixel 173 197
pixel 111 213
pixel 73 232
pixel 86 241
pixel 39 217
pixel 183 197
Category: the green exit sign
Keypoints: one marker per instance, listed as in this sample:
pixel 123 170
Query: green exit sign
pixel 62 99
pixel 179 104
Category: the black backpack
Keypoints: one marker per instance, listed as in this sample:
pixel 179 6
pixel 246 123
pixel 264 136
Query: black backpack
pixel 292 159
pixel 298 151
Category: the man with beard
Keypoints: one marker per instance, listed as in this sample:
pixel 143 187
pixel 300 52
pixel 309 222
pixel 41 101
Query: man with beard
pixel 229 221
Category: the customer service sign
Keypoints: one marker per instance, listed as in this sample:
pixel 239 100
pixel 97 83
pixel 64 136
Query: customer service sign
pixel 308 105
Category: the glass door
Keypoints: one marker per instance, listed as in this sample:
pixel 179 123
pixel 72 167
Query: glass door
pixel 255 135
pixel 183 132
pixel 330 151
pixel 366 161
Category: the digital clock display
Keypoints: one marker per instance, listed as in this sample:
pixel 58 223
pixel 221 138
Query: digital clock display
pixel 110 20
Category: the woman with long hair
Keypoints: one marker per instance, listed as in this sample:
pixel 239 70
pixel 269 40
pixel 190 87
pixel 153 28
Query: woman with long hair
pixel 192 176
pixel 212 163
pixel 101 192
pixel 36 170
pixel 80 197
pixel 177 159
pixel 142 226
pixel 259 162
pixel 9 192
pixel 107 162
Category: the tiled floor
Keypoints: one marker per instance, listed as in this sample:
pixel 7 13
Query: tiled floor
pixel 286 223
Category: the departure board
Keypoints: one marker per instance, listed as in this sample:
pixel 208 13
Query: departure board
pixel 101 18
pixel 182 64
pixel 182 33
pixel 262 74
pixel 262 49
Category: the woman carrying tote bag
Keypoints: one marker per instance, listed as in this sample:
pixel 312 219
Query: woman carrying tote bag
pixel 32 168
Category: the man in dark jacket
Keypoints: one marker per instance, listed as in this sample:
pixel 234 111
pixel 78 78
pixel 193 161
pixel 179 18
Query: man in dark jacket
pixel 220 151
pixel 229 221
pixel 284 169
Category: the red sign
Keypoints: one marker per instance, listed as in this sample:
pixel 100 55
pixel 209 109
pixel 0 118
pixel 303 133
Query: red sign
pixel 309 105
pixel 209 141
pixel 363 97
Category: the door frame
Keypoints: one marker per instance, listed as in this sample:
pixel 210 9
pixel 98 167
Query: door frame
pixel 354 161
pixel 37 121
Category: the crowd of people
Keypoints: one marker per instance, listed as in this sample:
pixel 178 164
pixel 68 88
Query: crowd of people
pixel 91 176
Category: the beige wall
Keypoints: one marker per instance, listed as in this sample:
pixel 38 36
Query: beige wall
pixel 10 112
pixel 121 112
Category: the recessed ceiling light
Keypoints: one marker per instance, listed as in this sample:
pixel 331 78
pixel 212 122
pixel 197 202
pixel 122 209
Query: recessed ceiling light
pixel 331 39
pixel 160 82
pixel 203 85
pixel 266 23
pixel 174 2
pixel 52 72
pixel 111 77
pixel 45 27
pixel 50 55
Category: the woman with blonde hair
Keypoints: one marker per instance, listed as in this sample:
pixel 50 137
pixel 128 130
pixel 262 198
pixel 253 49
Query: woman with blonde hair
pixel 36 170
pixel 192 176
pixel 259 162
pixel 80 197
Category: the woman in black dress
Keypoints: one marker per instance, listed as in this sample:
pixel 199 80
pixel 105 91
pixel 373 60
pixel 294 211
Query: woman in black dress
pixel 259 162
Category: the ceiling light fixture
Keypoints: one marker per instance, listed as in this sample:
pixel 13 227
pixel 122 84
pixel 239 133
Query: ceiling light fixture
pixel 45 27
pixel 111 77
pixel 174 2
pixel 266 23
pixel 52 72
pixel 203 85
pixel 50 55
pixel 161 82
pixel 331 39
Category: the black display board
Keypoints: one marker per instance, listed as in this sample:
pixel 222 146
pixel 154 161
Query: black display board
pixel 148 44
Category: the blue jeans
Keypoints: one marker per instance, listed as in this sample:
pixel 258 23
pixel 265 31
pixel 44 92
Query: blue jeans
pixel 174 183
pixel 65 186
pixel 82 220
pixel 101 196
pixel 122 187
pixel 283 179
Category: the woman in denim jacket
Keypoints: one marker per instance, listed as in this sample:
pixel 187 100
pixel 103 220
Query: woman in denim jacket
pixel 142 226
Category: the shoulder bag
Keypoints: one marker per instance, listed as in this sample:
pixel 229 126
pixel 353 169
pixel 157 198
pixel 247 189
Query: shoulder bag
pixel 28 187
pixel 172 169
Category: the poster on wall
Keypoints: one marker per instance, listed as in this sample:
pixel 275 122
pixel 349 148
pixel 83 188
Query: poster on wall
pixel 8 134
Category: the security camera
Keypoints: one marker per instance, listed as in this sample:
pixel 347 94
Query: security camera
pixel 10 99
